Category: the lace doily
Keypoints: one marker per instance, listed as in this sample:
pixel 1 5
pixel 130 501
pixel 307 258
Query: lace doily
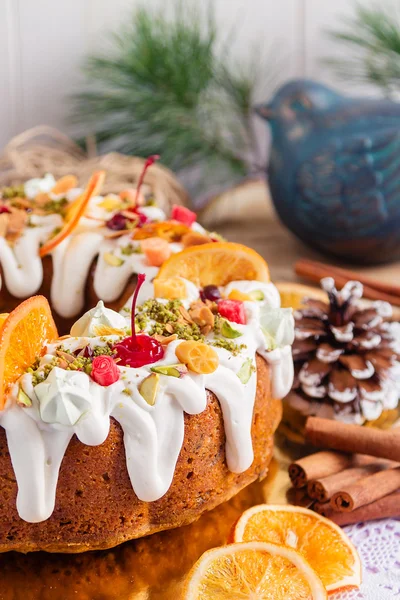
pixel 378 544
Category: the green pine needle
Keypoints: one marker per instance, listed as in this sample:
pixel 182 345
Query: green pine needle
pixel 162 89
pixel 373 38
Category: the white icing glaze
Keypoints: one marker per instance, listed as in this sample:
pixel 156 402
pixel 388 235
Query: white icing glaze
pixel 72 259
pixel 68 403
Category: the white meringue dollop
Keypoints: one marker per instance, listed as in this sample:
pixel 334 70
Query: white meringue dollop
pixel 99 316
pixel 64 397
pixel 39 185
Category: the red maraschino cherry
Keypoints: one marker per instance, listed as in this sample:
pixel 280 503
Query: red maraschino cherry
pixel 149 161
pixel 138 350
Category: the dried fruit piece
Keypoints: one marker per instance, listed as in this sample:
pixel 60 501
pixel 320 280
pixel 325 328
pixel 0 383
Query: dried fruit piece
pixel 216 264
pixel 253 570
pixel 167 230
pixel 195 238
pixel 113 260
pixel 245 371
pixel 229 332
pixel 104 370
pixel 172 289
pixel 76 210
pixel 149 388
pixel 238 295
pixel 210 292
pixel 65 184
pixel 323 544
pixel 156 250
pixel 177 370
pixel 183 215
pixel 23 399
pixel 110 203
pixel 199 357
pixel 233 310
pixel 293 295
pixel 3 317
pixel 22 338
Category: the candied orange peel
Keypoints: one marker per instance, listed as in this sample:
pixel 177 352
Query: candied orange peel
pixel 75 211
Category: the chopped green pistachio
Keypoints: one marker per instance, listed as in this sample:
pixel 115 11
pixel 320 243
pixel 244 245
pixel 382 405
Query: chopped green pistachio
pixel 257 295
pixel 177 370
pixel 56 206
pixel 229 346
pixel 149 388
pixel 127 392
pixel 81 363
pixel 228 331
pixel 14 191
pixel 245 371
pixel 104 350
pixel 130 249
pixel 112 260
pixel 23 399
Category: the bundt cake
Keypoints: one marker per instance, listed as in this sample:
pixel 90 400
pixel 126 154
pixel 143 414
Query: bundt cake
pixel 76 246
pixel 141 420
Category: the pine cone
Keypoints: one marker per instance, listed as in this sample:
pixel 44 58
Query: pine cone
pixel 345 356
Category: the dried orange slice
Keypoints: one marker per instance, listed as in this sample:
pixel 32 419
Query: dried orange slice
pixel 65 184
pixel 216 264
pixel 293 294
pixel 22 338
pixel 199 357
pixel 75 211
pixel 322 543
pixel 256 570
pixel 3 317
pixel 168 230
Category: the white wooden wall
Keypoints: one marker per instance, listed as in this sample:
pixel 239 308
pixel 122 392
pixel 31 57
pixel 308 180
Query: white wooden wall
pixel 43 42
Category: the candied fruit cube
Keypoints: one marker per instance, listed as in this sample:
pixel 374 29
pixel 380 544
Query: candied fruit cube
pixel 233 310
pixel 183 215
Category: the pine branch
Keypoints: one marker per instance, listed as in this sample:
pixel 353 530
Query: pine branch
pixel 164 89
pixel 373 38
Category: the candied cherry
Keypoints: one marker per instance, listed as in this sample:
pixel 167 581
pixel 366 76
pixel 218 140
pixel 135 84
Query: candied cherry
pixel 233 310
pixel 138 350
pixel 183 215
pixel 210 292
pixel 117 222
pixel 4 209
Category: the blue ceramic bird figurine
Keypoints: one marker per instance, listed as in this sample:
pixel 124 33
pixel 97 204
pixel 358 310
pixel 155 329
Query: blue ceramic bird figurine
pixel 334 170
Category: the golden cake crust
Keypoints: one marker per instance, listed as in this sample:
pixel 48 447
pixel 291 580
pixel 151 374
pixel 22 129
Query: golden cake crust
pixel 96 507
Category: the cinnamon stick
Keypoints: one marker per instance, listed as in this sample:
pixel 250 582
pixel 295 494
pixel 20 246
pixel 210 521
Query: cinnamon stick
pixel 327 433
pixel 386 507
pixel 317 466
pixel 323 489
pixel 373 289
pixel 366 490
pixel 299 497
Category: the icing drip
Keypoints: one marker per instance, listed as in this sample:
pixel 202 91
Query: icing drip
pixel 153 434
